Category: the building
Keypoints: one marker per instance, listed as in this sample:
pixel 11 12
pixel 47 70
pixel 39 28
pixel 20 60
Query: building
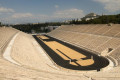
pixel 90 16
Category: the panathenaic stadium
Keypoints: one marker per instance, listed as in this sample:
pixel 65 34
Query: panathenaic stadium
pixel 70 52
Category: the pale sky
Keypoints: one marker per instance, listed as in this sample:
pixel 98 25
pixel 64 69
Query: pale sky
pixel 33 11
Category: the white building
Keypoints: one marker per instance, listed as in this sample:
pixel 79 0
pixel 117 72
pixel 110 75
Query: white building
pixel 90 16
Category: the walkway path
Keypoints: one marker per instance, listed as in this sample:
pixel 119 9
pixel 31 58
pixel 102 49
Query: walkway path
pixel 7 52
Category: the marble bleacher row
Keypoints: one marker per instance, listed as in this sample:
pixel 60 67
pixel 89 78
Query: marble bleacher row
pixel 93 37
pixel 6 33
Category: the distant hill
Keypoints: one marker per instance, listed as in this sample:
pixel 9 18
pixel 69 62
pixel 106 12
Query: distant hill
pixel 90 16
pixel 104 19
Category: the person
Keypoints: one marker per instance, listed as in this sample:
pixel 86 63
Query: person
pixel 98 70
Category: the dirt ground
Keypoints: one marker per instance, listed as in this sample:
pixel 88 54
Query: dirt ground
pixel 66 53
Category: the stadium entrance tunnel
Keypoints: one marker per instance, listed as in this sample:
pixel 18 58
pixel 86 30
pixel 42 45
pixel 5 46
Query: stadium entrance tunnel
pixel 69 56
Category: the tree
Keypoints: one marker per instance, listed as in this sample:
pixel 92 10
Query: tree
pixel 0 24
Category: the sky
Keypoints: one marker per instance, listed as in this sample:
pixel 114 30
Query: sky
pixel 34 11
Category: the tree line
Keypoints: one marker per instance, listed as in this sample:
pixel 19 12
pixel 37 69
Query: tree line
pixel 0 24
pixel 36 27
pixel 42 27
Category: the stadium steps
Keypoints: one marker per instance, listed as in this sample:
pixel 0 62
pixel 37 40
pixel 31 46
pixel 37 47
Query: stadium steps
pixel 93 37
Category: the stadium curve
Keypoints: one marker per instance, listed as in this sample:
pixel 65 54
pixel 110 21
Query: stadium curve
pixel 99 61
pixel 36 65
pixel 6 54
